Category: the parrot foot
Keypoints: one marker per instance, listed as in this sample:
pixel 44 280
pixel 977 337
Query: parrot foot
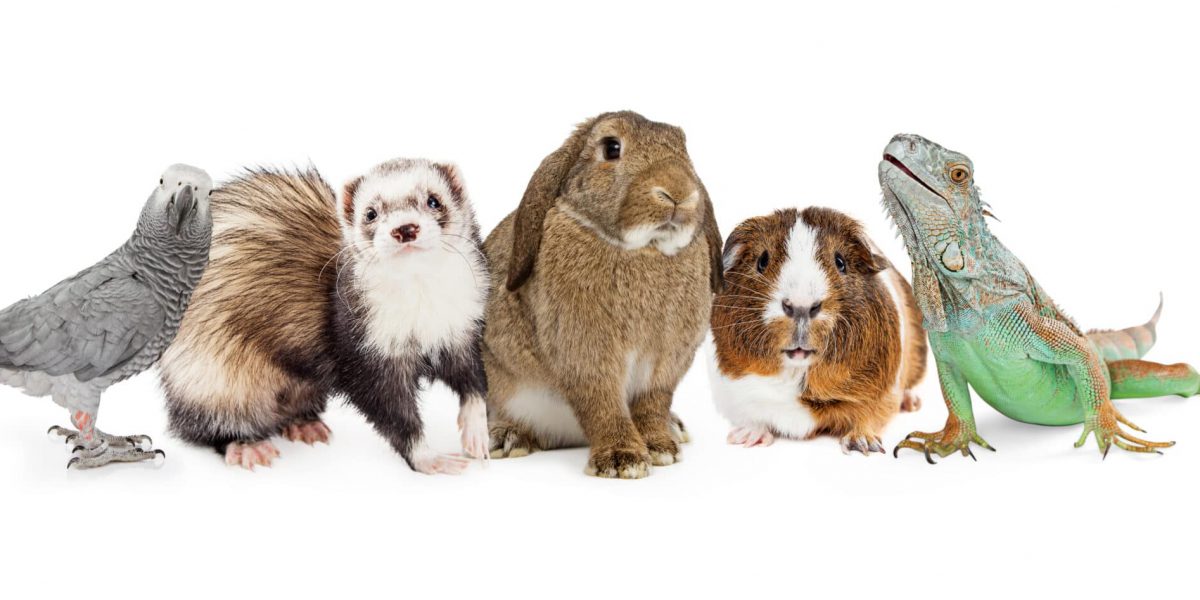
pixel 70 436
pixel 750 437
pixel 1106 424
pixel 943 443
pixel 103 453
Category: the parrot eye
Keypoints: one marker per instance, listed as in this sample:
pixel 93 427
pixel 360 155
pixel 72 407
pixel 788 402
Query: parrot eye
pixel 160 182
pixel 372 215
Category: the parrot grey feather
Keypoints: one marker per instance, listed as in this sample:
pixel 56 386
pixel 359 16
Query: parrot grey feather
pixel 114 319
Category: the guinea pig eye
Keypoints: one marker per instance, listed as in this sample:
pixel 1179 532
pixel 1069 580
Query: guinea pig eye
pixel 959 174
pixel 433 202
pixel 612 148
pixel 764 259
pixel 371 215
pixel 840 263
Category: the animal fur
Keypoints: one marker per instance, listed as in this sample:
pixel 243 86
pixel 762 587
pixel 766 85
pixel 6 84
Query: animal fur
pixel 868 346
pixel 604 279
pixel 305 298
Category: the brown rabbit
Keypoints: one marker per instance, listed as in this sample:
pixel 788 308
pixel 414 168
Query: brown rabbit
pixel 604 279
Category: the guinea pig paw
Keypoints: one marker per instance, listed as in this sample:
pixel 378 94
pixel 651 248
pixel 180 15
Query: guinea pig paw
pixel 751 436
pixel 251 454
pixel 309 432
pixel 618 464
pixel 862 443
pixel 910 402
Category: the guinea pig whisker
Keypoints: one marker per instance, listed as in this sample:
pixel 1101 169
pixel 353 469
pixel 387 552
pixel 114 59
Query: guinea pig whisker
pixel 752 291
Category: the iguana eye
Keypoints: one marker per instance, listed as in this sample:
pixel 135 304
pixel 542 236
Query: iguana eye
pixel 959 174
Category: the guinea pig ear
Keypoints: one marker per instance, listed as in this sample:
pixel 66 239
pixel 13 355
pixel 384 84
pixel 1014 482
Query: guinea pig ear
pixel 348 193
pixel 453 178
pixel 872 259
pixel 540 196
pixel 712 235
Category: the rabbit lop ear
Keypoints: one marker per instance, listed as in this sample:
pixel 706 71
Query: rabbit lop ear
pixel 712 235
pixel 540 196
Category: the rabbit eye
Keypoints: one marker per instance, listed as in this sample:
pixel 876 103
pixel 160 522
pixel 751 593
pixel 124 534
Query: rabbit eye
pixel 764 259
pixel 612 148
pixel 840 263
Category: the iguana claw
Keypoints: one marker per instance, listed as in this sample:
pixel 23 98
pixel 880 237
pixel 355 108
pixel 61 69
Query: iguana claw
pixel 1106 424
pixel 942 443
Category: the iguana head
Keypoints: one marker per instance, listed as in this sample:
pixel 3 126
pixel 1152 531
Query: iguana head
pixel 930 194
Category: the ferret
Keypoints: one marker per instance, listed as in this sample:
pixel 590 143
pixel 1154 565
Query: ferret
pixel 307 296
pixel 815 333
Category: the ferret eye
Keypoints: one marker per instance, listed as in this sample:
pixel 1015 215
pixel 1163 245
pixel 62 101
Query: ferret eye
pixel 433 203
pixel 764 259
pixel 612 148
pixel 372 215
pixel 959 174
pixel 840 263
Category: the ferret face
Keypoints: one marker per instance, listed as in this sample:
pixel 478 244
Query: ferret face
pixel 792 279
pixel 403 209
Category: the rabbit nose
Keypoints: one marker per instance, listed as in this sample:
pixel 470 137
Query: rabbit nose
pixel 406 233
pixel 809 312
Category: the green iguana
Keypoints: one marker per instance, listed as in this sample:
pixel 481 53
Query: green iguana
pixel 992 327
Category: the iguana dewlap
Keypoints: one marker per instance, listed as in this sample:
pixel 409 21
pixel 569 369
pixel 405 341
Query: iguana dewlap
pixel 993 328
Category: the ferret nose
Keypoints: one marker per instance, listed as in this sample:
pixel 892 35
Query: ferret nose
pixel 809 312
pixel 406 233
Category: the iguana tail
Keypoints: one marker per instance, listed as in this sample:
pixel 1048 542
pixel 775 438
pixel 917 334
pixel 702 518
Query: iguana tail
pixel 1129 343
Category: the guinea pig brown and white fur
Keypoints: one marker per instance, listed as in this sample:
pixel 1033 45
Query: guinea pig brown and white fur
pixel 815 333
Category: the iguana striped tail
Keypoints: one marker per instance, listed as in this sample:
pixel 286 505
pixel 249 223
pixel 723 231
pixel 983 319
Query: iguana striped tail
pixel 1128 343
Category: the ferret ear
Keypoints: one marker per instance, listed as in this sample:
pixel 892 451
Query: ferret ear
pixel 453 179
pixel 348 199
pixel 540 196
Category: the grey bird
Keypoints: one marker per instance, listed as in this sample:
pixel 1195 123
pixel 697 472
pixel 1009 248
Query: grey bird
pixel 114 319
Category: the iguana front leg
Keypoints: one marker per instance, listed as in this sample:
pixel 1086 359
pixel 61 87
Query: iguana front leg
pixel 959 431
pixel 1054 342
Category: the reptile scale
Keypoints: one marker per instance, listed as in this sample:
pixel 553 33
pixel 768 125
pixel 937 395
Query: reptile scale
pixel 993 328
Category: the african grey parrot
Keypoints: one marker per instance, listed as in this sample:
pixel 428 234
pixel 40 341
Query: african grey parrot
pixel 114 319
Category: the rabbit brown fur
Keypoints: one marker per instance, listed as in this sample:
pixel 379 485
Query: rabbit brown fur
pixel 604 279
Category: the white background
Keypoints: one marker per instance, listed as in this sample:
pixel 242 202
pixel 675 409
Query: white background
pixel 1082 125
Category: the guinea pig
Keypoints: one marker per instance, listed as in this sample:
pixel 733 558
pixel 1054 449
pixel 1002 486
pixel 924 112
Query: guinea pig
pixel 815 333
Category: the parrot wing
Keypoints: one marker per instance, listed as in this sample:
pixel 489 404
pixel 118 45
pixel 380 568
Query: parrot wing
pixel 89 325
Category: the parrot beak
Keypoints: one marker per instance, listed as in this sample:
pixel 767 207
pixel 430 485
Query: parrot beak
pixel 182 207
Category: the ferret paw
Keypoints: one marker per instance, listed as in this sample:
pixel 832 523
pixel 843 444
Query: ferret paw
pixel 862 443
pixel 618 464
pixel 910 402
pixel 309 432
pixel 249 455
pixel 473 427
pixel 751 436
pixel 432 463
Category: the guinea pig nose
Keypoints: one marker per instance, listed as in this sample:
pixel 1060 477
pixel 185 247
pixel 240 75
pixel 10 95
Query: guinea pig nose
pixel 788 309
pixel 406 233
pixel 814 311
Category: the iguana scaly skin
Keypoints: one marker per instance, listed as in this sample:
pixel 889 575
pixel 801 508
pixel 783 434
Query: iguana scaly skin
pixel 993 328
